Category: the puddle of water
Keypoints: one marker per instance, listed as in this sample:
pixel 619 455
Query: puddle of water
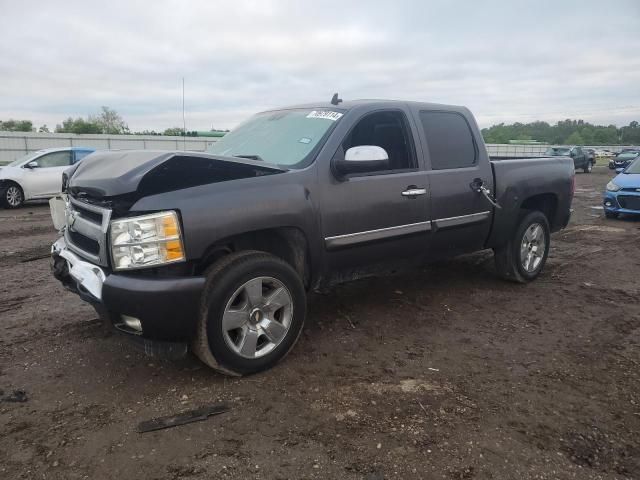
pixel 598 207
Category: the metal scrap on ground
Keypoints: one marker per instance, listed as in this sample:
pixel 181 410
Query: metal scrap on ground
pixel 183 418
pixel 17 396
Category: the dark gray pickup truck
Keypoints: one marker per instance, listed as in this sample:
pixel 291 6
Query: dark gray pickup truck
pixel 217 250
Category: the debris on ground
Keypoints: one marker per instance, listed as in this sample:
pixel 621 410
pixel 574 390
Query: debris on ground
pixel 183 418
pixel 17 396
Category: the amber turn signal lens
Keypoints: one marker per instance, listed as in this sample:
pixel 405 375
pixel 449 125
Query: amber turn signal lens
pixel 174 250
pixel 170 226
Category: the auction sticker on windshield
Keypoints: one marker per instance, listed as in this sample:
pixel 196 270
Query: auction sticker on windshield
pixel 327 114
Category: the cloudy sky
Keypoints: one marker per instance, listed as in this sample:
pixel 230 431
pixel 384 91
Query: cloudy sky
pixel 507 60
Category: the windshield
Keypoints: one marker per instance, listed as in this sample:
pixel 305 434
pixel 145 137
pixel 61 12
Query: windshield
pixel 22 159
pixel 287 138
pixel 555 152
pixel 628 155
pixel 634 167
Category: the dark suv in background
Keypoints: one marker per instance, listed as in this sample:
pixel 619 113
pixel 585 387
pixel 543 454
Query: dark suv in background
pixel 582 159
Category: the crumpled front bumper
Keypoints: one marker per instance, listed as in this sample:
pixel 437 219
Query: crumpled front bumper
pixel 80 276
pixel 167 307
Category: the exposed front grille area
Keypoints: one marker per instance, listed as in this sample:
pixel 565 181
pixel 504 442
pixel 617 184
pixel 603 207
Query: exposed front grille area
pixel 86 230
pixel 88 214
pixel 632 202
pixel 86 244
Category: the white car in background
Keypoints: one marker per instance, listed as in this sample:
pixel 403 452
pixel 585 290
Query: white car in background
pixel 37 174
pixel 604 153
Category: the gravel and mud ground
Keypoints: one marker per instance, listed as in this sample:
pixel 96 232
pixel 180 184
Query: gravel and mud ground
pixel 446 372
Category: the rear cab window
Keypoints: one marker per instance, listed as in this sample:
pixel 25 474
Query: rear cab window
pixel 449 140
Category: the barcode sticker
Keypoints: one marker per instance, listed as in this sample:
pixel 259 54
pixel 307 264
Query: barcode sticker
pixel 326 114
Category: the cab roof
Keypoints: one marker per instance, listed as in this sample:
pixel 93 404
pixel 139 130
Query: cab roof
pixel 382 103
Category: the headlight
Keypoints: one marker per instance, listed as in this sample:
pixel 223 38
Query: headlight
pixel 612 187
pixel 146 241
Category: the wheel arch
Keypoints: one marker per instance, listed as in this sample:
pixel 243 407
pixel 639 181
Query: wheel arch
pixel 288 243
pixel 547 203
pixel 6 183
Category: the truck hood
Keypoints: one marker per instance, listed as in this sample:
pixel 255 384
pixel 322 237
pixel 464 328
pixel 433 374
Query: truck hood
pixel 146 172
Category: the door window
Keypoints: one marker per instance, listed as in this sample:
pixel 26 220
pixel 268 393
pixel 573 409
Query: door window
pixel 387 130
pixel 55 159
pixel 80 154
pixel 449 139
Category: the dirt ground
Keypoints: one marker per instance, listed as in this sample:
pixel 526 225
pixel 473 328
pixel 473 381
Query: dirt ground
pixel 446 372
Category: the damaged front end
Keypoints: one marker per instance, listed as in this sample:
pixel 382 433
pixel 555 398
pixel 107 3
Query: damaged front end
pixel 132 265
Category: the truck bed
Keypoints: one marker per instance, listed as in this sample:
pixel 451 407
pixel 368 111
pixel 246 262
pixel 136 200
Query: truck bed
pixel 550 178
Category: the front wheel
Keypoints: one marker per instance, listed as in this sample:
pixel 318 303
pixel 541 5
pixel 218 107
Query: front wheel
pixel 608 214
pixel 525 254
pixel 12 196
pixel 588 168
pixel 252 313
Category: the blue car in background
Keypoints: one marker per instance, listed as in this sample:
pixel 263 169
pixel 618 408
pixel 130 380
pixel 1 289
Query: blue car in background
pixel 623 192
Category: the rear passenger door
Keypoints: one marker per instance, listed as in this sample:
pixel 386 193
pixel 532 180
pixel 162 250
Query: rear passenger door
pixel 461 217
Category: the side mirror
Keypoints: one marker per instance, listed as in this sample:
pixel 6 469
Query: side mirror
pixel 619 170
pixel 31 165
pixel 363 159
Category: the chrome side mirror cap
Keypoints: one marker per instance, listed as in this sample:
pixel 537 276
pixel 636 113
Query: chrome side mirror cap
pixel 363 159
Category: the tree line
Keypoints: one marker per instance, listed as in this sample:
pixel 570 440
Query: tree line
pixel 106 121
pixel 565 132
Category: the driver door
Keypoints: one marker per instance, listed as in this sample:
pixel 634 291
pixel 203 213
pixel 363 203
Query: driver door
pixel 45 179
pixel 372 218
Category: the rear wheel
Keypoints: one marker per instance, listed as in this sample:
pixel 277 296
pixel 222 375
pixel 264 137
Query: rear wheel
pixel 12 196
pixel 252 313
pixel 525 254
pixel 589 167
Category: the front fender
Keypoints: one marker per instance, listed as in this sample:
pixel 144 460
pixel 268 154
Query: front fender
pixel 211 213
pixel 15 175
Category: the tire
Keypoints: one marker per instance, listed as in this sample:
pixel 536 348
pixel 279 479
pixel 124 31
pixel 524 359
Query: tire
pixel 520 262
pixel 249 296
pixel 12 196
pixel 589 167
pixel 611 214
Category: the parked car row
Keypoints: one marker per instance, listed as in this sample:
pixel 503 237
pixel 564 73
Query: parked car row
pixel 604 153
pixel 37 175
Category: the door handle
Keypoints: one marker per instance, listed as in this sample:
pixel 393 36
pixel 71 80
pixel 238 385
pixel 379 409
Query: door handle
pixel 478 186
pixel 414 192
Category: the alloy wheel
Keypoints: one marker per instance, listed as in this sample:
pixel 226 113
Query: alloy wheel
pixel 13 196
pixel 257 317
pixel 532 248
